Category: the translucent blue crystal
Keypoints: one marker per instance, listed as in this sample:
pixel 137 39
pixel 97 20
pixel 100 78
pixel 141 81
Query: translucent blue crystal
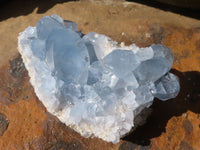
pixel 46 25
pixel 91 83
pixel 167 87
pixel 153 69
pixel 121 62
pixel 67 56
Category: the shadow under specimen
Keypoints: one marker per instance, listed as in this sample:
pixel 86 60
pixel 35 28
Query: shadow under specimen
pixel 162 111
pixel 192 10
pixel 14 8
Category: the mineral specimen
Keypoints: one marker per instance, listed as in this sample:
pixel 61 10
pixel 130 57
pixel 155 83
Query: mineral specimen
pixel 91 83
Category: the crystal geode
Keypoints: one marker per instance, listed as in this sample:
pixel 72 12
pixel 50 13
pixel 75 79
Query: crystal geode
pixel 91 83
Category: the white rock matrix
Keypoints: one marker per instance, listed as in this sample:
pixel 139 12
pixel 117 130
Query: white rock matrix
pixel 91 83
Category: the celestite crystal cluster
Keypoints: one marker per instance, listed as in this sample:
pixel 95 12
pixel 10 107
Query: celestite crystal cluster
pixel 91 83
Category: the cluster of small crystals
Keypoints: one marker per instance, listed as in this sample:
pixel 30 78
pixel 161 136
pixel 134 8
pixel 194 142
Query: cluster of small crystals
pixel 92 83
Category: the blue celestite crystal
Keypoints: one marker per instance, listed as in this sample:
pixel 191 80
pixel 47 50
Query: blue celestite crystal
pixel 92 83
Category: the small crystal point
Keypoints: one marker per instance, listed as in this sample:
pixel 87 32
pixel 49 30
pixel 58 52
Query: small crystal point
pixel 160 64
pixel 121 62
pixel 70 24
pixel 161 51
pixel 167 87
pixel 46 25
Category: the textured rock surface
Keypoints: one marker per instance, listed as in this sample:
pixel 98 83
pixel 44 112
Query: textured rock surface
pixel 31 127
pixel 188 133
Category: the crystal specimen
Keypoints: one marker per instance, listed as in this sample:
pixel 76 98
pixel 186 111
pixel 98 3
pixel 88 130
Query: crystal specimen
pixel 91 83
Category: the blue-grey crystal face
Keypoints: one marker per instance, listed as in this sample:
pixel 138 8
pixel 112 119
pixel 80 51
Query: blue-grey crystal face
pixel 69 56
pixel 100 83
pixel 64 52
pixel 166 87
pixel 121 62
